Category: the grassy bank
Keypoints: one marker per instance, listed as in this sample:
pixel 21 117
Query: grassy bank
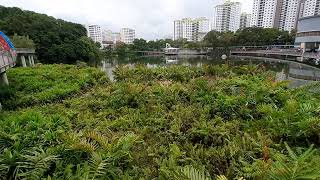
pixel 166 123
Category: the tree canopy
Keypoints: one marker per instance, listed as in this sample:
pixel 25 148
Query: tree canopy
pixel 252 36
pixel 56 40
pixel 22 42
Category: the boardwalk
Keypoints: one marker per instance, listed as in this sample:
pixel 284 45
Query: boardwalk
pixel 281 52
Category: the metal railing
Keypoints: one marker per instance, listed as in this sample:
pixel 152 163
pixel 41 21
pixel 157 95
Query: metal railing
pixel 6 60
pixel 25 51
pixel 283 52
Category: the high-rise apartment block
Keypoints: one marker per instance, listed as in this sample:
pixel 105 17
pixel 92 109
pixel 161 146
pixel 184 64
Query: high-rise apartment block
pixel 265 13
pixel 309 8
pixel 127 35
pixel 95 33
pixel 245 20
pixel 282 14
pixel 289 14
pixel 191 29
pixel 107 35
pixel 116 37
pixel 227 17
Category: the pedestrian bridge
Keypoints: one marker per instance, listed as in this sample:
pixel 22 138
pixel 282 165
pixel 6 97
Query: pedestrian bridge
pixel 10 59
pixel 285 52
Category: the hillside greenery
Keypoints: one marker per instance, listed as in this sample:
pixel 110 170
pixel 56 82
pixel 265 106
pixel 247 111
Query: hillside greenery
pixel 56 40
pixel 22 42
pixel 210 122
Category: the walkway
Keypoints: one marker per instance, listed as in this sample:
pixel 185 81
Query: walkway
pixel 8 60
pixel 281 52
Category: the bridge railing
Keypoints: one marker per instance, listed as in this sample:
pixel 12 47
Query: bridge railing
pixel 6 60
pixel 25 51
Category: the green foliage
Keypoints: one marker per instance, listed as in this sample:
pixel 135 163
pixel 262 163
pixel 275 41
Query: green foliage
pixel 56 41
pixel 46 83
pixel 211 122
pixel 22 42
pixel 294 166
pixel 253 36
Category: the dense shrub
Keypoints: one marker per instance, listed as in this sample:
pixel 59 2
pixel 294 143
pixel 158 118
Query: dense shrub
pixel 47 83
pixel 168 123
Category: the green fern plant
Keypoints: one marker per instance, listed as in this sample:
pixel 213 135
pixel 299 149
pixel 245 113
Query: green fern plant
pixel 304 166
pixel 190 173
pixel 35 164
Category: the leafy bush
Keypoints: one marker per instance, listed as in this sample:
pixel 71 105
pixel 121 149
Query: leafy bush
pixel 47 83
pixel 169 123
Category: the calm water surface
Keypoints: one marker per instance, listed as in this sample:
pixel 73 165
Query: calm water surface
pixel 298 74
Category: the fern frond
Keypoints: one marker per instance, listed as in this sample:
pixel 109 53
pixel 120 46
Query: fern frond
pixel 191 173
pixel 98 166
pixel 102 140
pixel 35 164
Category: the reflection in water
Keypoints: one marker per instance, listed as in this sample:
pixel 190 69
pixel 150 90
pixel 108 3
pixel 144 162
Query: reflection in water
pixel 298 74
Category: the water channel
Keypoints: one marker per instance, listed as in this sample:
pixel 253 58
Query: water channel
pixel 298 74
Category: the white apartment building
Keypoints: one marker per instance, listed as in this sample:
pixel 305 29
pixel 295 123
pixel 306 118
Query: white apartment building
pixel 245 20
pixel 282 14
pixel 95 33
pixel 187 29
pixel 191 29
pixel 266 13
pixel 107 35
pixel 309 8
pixel 127 35
pixel 116 37
pixel 289 14
pixel 227 17
pixel 201 27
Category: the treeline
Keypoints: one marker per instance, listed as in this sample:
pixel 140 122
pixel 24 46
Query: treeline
pixel 253 36
pixel 56 40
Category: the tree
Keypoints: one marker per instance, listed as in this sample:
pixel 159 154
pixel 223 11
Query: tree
pixel 212 39
pixel 22 42
pixel 56 41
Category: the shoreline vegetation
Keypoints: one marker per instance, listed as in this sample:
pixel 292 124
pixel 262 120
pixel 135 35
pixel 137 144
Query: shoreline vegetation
pixel 210 122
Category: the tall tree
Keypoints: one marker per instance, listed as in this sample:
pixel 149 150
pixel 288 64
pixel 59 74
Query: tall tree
pixel 54 39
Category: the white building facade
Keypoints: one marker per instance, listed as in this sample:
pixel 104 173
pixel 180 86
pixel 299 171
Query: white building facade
pixel 310 8
pixel 95 33
pixel 107 35
pixel 289 14
pixel 266 13
pixel 227 17
pixel 282 14
pixel 127 35
pixel 245 20
pixel 201 27
pixel 191 29
pixel 116 37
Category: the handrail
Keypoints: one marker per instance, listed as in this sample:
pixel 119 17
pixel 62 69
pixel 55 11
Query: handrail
pixel 25 50
pixel 277 52
pixel 6 59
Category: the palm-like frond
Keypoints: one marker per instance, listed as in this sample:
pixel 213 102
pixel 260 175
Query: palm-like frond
pixel 295 166
pixel 188 173
pixel 98 166
pixel 35 164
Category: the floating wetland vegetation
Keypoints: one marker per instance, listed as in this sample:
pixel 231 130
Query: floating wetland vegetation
pixel 177 122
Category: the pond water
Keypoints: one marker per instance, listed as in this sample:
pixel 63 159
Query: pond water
pixel 298 74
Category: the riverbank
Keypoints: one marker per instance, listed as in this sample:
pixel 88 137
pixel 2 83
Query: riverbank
pixel 166 122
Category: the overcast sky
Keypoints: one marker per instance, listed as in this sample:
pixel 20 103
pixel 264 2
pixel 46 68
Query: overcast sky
pixel 152 19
